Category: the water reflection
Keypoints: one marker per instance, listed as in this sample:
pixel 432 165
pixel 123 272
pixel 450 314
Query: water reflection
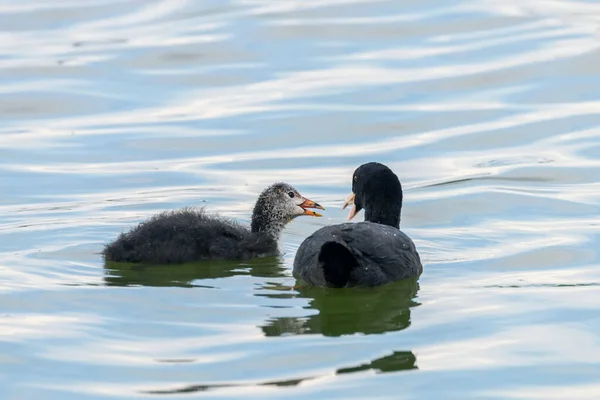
pixel 341 312
pixel 397 361
pixel 187 275
pixel 350 311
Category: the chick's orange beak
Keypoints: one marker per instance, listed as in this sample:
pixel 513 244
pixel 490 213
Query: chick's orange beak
pixel 350 200
pixel 311 204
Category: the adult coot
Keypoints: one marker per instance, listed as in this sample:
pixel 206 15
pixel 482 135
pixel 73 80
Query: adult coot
pixel 189 234
pixel 367 253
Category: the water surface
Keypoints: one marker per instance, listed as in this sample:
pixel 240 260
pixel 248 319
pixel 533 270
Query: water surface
pixel 487 110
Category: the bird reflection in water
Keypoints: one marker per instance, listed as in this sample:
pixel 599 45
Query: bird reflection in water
pixel 341 311
pixel 349 311
pixel 397 361
pixel 189 274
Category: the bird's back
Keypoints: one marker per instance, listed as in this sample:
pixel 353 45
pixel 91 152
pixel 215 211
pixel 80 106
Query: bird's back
pixel 349 254
pixel 185 235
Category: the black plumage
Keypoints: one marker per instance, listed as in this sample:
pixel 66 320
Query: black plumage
pixel 369 253
pixel 190 234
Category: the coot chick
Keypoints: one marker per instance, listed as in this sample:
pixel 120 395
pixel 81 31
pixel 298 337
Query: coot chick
pixel 186 235
pixel 369 253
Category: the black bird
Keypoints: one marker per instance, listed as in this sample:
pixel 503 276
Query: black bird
pixel 185 235
pixel 369 253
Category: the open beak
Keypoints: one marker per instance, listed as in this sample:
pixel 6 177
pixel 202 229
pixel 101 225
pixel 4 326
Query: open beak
pixel 311 204
pixel 350 200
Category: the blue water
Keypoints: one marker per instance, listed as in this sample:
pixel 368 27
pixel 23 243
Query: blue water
pixel 487 110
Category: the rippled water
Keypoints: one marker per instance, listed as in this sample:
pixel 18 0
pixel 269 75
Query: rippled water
pixel 115 109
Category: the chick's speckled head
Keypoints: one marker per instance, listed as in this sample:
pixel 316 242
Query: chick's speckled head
pixel 279 204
